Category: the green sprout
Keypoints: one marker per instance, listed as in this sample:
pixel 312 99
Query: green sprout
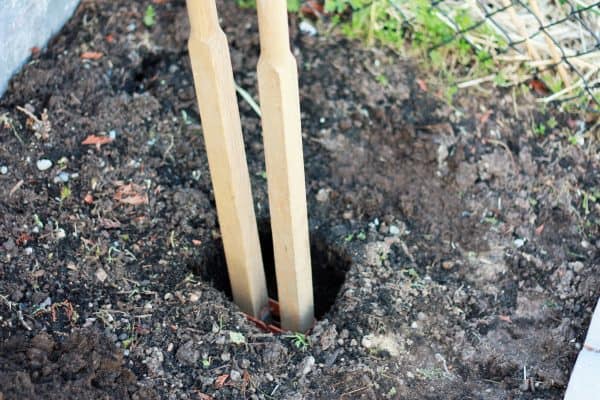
pixel 299 340
pixel 149 16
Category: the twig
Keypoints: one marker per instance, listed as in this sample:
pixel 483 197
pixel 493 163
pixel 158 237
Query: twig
pixel 522 31
pixel 344 395
pixel 554 51
pixel 476 81
pixel 15 188
pixel 568 89
pixel 22 321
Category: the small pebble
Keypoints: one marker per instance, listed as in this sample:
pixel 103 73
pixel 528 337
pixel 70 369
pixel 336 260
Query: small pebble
pixel 112 134
pixel 101 274
pixel 307 365
pixel 123 336
pixel 235 375
pixel 4 170
pixel 308 28
pixel 63 176
pixel 60 234
pixel 394 230
pixel 323 195
pixel 43 164
pixel 519 243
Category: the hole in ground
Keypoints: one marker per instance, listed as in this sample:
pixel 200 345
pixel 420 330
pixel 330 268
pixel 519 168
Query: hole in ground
pixel 329 267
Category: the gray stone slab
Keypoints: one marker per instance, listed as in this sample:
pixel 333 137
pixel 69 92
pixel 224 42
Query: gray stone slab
pixel 25 24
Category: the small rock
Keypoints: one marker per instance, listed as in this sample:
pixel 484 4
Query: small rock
pixel 46 303
pixel 394 230
pixel 112 134
pixel 447 265
pixel 101 274
pixel 4 170
pixel 306 366
pixel 123 336
pixel 382 343
pixel 466 175
pixel 235 375
pixel 307 28
pixel 274 354
pixel 328 337
pixel 194 297
pixel 186 354
pixel 323 195
pixel 225 357
pixel 577 266
pixel 60 234
pixel 43 164
pixel 519 243
pixel 63 176
pixel 154 361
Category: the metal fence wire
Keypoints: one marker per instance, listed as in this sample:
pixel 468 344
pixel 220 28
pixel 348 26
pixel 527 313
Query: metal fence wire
pixel 556 40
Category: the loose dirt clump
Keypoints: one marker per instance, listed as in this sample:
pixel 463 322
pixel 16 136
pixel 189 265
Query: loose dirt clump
pixel 84 366
pixel 455 251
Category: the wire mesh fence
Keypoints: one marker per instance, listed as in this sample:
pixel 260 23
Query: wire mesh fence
pixel 557 41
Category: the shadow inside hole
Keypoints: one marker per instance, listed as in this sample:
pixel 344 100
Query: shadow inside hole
pixel 329 267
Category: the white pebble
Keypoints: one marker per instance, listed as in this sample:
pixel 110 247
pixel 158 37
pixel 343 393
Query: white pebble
pixel 235 375
pixel 43 164
pixel 101 274
pixel 308 28
pixel 63 176
pixel 4 170
pixel 394 230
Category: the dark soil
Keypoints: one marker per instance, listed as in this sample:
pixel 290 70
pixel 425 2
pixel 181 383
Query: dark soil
pixel 459 249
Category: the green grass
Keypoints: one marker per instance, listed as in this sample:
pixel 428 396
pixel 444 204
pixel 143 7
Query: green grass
pixel 293 5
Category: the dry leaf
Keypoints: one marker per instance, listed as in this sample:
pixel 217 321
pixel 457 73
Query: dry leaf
pixel 131 194
pixel 220 381
pixel 91 55
pixel 505 318
pixel 204 396
pixel 422 84
pixel 97 140
pixel 109 223
pixel 539 230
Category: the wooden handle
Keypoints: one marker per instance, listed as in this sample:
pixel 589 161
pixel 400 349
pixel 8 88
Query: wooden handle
pixel 215 91
pixel 280 105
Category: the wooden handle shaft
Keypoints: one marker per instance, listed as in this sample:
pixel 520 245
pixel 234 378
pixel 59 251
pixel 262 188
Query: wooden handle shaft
pixel 280 105
pixel 215 91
